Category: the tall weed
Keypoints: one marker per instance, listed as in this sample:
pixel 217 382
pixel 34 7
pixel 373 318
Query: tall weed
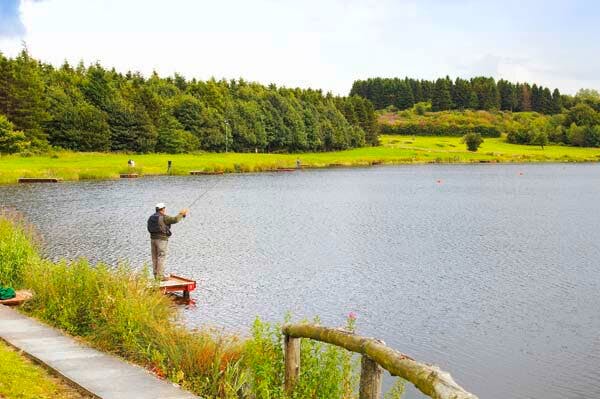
pixel 326 371
pixel 17 248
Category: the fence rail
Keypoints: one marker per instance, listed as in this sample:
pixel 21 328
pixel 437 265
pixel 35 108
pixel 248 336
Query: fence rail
pixel 376 356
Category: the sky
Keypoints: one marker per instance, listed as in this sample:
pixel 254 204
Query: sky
pixel 324 44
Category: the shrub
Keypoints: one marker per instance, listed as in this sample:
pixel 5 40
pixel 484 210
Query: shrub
pixel 176 141
pixel 473 141
pixel 540 138
pixel 421 108
pixel 576 135
pixel 11 141
pixel 582 115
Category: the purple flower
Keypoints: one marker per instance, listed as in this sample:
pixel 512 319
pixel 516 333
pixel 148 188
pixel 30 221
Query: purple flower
pixel 352 316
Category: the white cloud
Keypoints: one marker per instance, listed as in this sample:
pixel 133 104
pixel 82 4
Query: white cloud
pixel 322 44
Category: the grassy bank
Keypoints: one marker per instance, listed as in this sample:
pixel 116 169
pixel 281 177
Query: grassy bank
pixel 393 150
pixel 22 379
pixel 121 311
pixel 450 149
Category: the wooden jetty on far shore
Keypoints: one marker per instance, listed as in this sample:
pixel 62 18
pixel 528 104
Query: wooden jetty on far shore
pixel 129 175
pixel 204 172
pixel 39 180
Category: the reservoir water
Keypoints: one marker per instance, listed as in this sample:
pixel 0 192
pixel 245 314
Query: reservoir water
pixel 490 271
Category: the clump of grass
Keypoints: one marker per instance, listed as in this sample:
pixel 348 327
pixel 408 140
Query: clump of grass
pixel 17 248
pixel 93 176
pixel 327 371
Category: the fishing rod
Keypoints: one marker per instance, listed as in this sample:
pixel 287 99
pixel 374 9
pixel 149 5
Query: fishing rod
pixel 204 193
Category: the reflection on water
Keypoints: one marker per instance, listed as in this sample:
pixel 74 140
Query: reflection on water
pixel 492 272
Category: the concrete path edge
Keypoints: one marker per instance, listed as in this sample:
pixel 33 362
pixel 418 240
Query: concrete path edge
pixel 97 374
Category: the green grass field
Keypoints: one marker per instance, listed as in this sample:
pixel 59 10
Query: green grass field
pixel 393 150
pixel 21 379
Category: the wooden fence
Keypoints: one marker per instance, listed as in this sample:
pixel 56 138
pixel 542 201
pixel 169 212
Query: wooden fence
pixel 376 356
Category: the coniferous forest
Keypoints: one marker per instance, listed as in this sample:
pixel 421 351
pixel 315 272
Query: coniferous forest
pixel 96 109
pixel 525 113
pixel 480 93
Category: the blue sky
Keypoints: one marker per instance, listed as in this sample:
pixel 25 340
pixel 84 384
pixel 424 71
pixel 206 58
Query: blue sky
pixel 322 44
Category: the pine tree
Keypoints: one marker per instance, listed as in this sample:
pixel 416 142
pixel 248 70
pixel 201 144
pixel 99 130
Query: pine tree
pixel 556 107
pixel 487 93
pixel 427 89
pixel 97 89
pixel 441 99
pixel 524 98
pixel 473 100
pixel 508 95
pixel 405 98
pixel 536 98
pixel 417 90
pixel 462 94
pixel 6 84
pixel 27 101
pixel 545 101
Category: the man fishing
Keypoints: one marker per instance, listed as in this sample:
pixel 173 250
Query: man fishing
pixel 159 227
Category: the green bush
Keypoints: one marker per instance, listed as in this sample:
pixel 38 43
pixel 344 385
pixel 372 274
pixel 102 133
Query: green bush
pixel 11 141
pixel 422 108
pixel 473 141
pixel 176 141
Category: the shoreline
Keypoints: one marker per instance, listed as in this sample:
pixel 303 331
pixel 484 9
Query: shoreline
pixel 394 150
pixel 306 168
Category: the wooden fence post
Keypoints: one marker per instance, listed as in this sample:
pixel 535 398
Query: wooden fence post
pixel 370 379
pixel 427 378
pixel 292 362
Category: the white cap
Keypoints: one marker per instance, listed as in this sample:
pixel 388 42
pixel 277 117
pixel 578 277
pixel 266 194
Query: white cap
pixel 160 205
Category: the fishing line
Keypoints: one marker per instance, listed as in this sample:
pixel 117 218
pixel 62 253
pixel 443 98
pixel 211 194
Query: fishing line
pixel 204 193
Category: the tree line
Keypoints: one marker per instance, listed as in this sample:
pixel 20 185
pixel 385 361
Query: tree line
pixel 479 93
pixel 97 109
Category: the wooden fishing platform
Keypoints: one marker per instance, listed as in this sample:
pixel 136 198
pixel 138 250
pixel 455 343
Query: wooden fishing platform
pixel 178 284
pixel 39 180
pixel 204 172
pixel 21 296
pixel 129 175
